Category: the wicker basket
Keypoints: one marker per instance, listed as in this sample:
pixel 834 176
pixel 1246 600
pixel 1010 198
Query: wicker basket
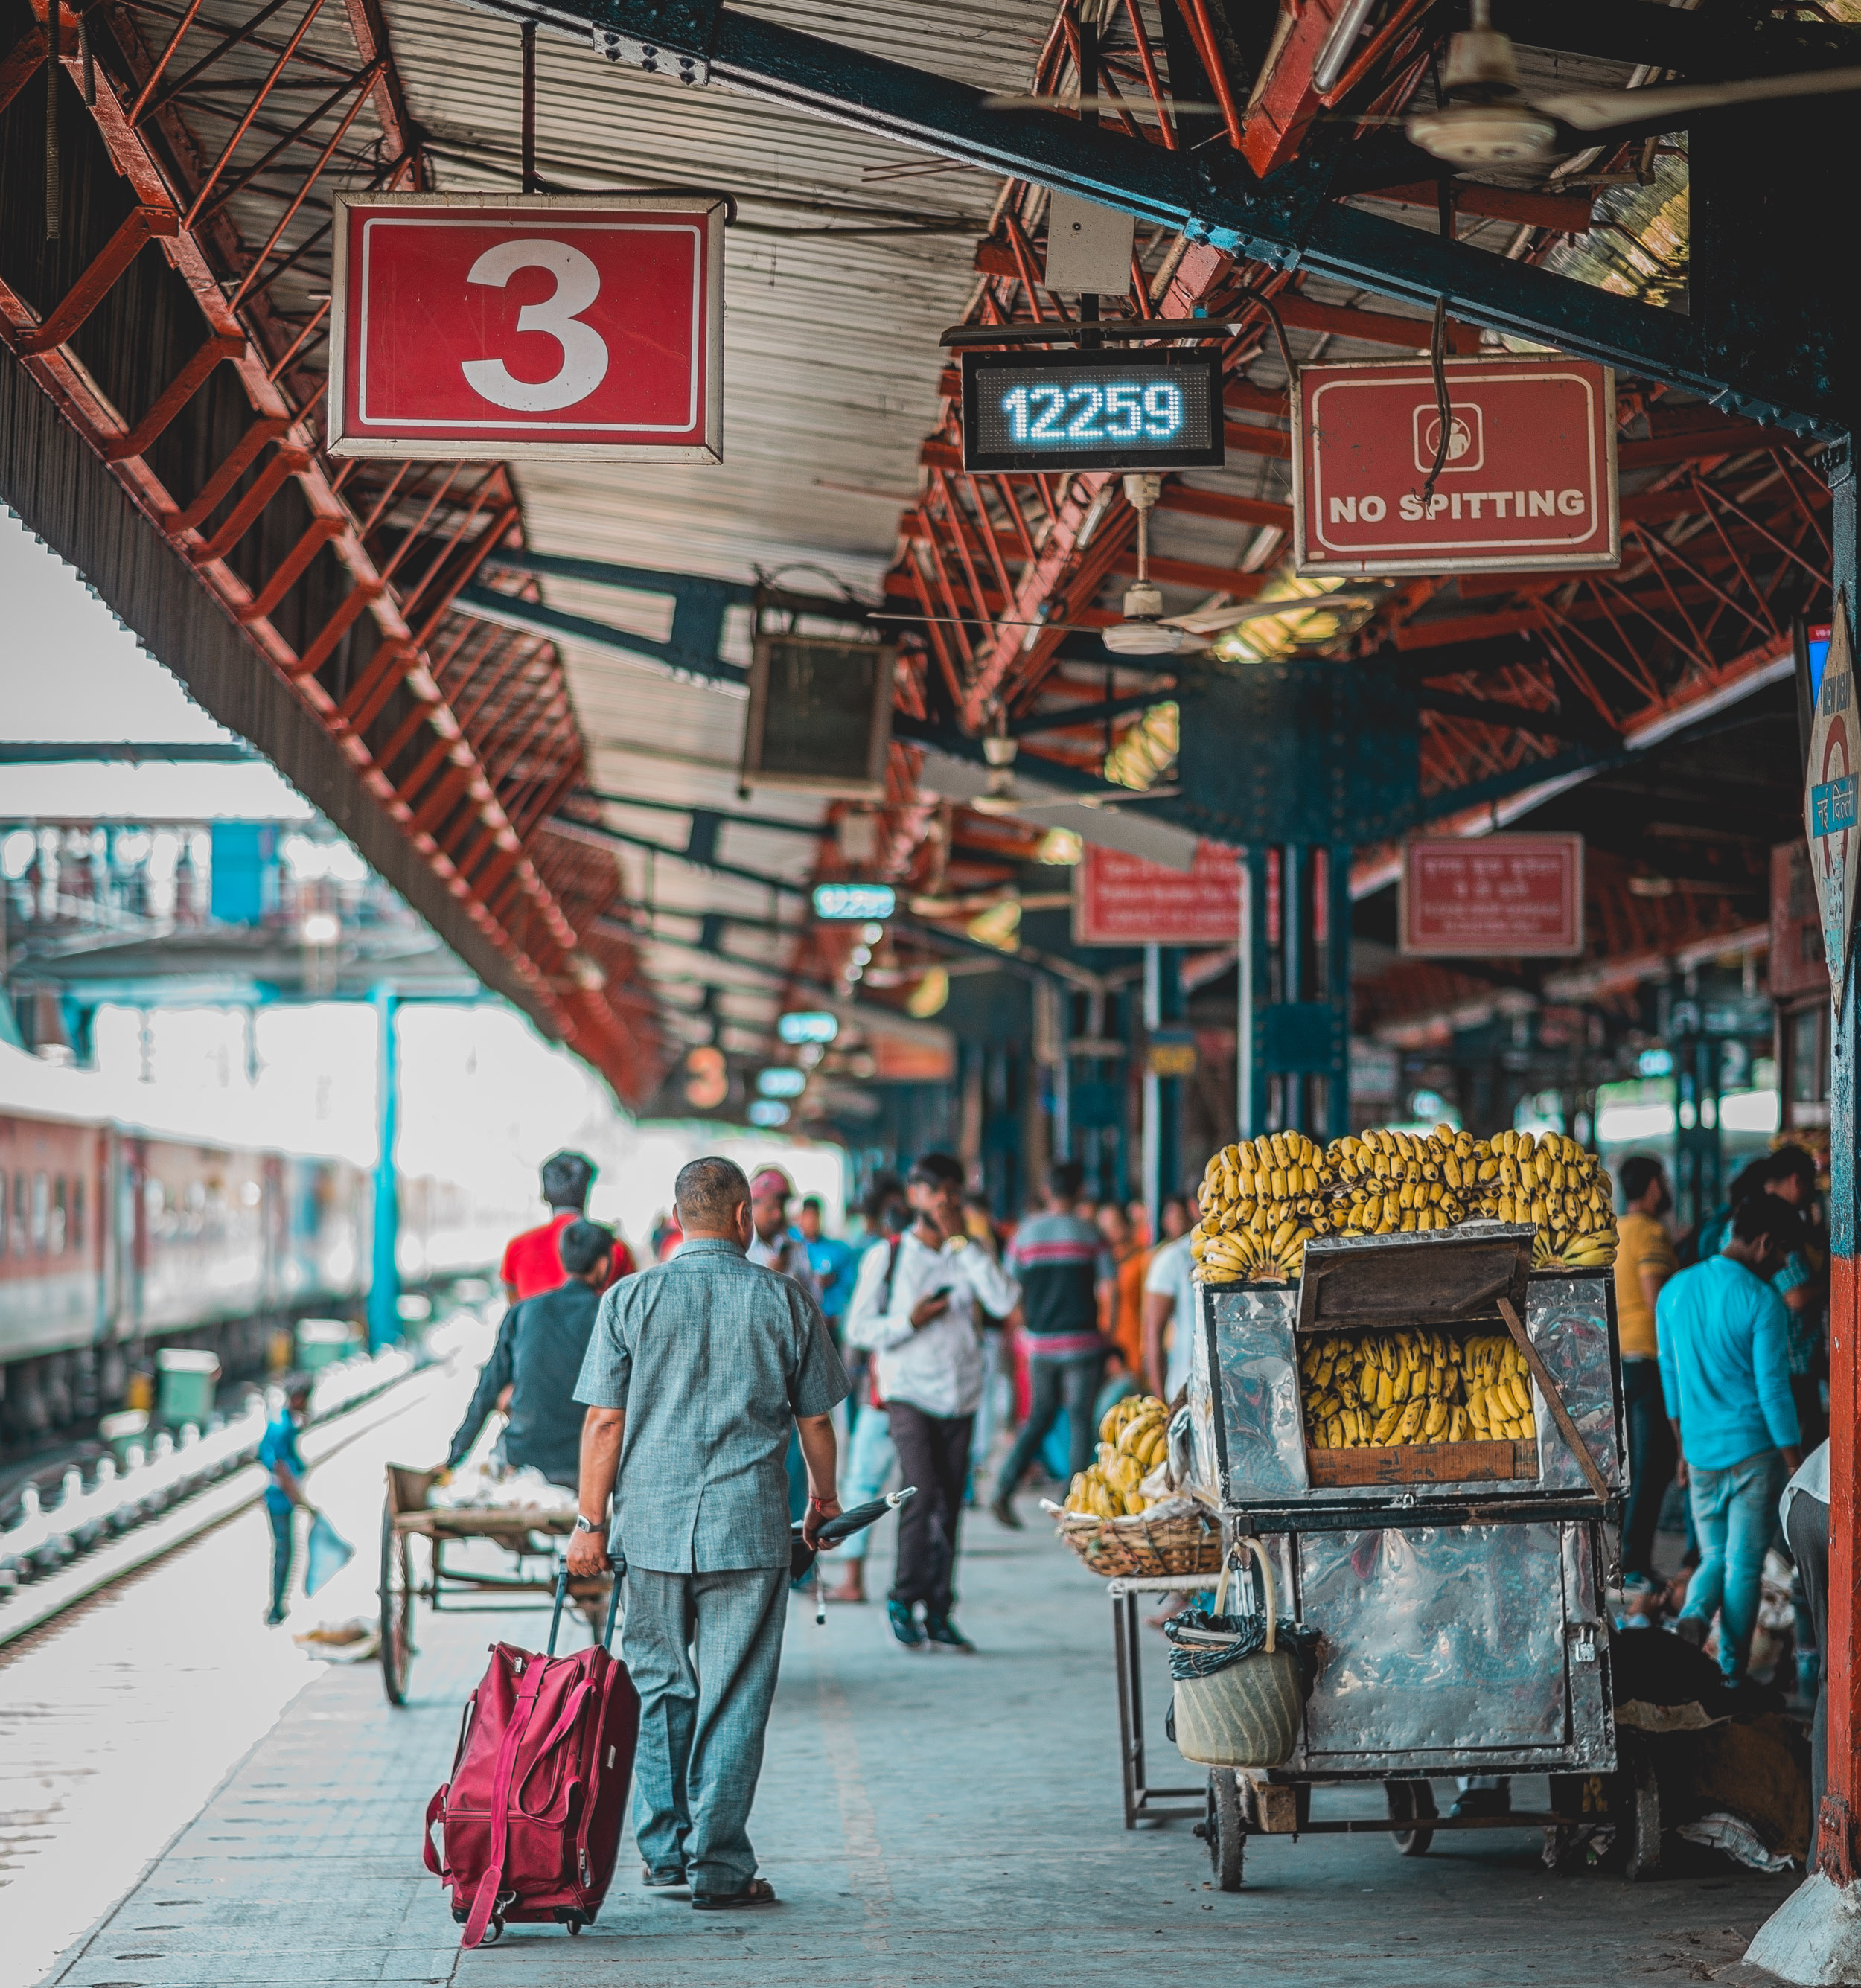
pixel 1184 1543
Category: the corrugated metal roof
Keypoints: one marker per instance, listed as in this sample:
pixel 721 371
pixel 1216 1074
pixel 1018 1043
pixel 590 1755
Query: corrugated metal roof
pixel 849 256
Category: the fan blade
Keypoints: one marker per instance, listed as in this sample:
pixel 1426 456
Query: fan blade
pixel 1218 618
pixel 1601 110
pixel 1106 106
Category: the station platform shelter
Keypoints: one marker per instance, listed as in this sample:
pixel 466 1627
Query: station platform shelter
pixel 1051 580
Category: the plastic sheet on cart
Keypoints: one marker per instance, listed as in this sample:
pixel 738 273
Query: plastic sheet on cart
pixel 1435 1638
pixel 1257 1389
pixel 1567 1318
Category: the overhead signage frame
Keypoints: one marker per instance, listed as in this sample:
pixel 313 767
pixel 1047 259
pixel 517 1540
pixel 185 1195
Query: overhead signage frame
pixel 1136 411
pixel 1512 897
pixel 1528 483
pixel 499 327
pixel 1120 900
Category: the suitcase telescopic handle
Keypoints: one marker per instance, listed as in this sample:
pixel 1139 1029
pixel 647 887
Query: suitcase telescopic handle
pixel 562 1595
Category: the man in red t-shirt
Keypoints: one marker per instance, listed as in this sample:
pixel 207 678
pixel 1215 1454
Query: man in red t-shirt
pixel 531 1264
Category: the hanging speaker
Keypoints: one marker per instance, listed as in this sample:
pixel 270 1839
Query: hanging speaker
pixel 820 716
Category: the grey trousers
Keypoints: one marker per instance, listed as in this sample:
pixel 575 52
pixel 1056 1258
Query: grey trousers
pixel 703 1650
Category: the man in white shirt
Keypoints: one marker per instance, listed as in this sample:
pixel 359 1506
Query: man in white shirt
pixel 1170 1314
pixel 772 1245
pixel 920 1309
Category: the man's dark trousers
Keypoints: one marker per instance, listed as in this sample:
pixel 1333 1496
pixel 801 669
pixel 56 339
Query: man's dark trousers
pixel 934 1455
pixel 1069 1381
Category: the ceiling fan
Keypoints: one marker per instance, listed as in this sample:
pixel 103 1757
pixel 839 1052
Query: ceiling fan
pixel 1490 118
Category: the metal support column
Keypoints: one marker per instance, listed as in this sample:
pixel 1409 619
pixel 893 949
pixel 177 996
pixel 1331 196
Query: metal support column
pixel 1162 1103
pixel 1815 1934
pixel 384 1277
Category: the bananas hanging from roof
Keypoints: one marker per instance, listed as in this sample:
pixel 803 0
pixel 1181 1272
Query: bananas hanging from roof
pixel 1262 1201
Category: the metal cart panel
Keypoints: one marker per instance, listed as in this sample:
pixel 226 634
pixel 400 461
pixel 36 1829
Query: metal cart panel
pixel 1434 1634
pixel 1251 1404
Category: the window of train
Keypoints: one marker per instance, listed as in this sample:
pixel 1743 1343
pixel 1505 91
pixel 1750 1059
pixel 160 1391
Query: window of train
pixel 42 1211
pixel 55 1228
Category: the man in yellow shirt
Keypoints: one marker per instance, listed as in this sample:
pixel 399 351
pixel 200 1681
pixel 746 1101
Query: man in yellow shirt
pixel 1644 1262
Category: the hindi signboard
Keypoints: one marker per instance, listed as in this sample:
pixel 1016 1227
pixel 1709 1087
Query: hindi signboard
pixel 1120 900
pixel 499 327
pixel 1502 896
pixel 1829 795
pixel 1529 480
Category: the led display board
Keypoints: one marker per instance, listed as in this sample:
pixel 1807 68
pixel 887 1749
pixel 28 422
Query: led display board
pixel 1092 411
pixel 861 901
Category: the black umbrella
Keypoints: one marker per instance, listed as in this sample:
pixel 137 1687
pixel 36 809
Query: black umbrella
pixel 832 1531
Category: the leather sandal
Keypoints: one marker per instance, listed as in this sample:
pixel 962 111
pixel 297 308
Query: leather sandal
pixel 758 1891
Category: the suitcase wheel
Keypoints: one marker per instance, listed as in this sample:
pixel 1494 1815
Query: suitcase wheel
pixel 575 1926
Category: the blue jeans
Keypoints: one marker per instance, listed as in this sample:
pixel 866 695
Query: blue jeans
pixel 284 1529
pixel 871 1458
pixel 703 1650
pixel 1734 1511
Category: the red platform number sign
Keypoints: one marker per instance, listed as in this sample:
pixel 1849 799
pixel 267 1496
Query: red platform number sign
pixel 490 328
pixel 1528 481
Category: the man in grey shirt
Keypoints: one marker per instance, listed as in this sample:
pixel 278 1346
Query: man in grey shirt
pixel 697 1371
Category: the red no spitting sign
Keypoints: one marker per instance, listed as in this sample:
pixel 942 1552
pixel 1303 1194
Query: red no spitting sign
pixel 493 328
pixel 1529 481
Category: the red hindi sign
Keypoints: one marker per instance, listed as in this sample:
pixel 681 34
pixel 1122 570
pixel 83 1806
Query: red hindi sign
pixel 494 328
pixel 1122 900
pixel 1529 480
pixel 1511 896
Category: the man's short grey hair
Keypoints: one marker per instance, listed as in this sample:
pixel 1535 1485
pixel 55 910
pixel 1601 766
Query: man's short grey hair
pixel 708 1191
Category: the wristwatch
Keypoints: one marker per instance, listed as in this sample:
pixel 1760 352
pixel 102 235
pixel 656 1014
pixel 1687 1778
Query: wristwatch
pixel 586 1525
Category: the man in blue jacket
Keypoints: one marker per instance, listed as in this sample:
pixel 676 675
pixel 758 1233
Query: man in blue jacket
pixel 1724 1336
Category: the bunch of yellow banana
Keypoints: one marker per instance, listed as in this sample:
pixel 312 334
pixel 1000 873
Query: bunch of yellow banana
pixel 1262 1202
pixel 1133 1439
pixel 1498 1389
pixel 1388 1390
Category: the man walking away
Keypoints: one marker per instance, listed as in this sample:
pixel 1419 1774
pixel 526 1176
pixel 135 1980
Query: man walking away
pixel 533 1368
pixel 1064 1271
pixel 532 1264
pixel 919 1309
pixel 698 1371
pixel 1644 1262
pixel 1725 1375
pixel 278 1451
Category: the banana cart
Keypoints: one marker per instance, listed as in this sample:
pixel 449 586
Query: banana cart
pixel 426 1557
pixel 1456 1586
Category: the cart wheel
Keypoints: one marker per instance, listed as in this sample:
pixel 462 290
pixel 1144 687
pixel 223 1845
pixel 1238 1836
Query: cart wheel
pixel 396 1593
pixel 1410 1801
pixel 1634 1800
pixel 1225 1828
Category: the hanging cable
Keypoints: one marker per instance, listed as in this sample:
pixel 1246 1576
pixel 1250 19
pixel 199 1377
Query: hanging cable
pixel 1438 356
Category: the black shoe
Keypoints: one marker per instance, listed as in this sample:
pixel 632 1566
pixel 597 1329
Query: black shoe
pixel 672 1878
pixel 942 1634
pixel 903 1617
pixel 273 1617
pixel 1693 1629
pixel 1003 1513
pixel 1483 1801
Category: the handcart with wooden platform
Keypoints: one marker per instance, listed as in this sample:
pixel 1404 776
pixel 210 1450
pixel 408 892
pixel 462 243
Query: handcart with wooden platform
pixel 1456 1588
pixel 426 1557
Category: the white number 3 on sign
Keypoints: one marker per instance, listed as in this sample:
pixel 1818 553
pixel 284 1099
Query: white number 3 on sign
pixel 584 351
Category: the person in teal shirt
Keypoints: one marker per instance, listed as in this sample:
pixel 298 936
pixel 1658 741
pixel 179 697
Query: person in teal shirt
pixel 1724 1337
pixel 278 1452
pixel 832 1261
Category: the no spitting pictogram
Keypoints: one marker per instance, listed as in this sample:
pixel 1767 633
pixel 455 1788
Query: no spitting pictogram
pixel 1829 809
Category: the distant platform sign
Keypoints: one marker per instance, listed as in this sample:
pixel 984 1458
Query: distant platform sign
pixel 1529 480
pixel 1120 900
pixel 1502 896
pixel 493 327
pixel 1092 411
